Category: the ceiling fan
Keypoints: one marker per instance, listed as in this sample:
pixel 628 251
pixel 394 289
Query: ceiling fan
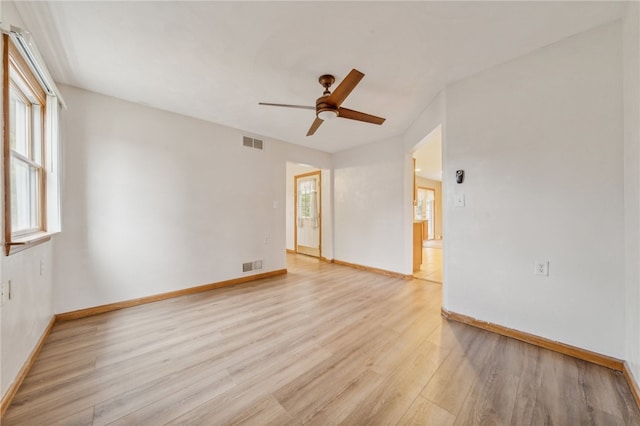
pixel 328 105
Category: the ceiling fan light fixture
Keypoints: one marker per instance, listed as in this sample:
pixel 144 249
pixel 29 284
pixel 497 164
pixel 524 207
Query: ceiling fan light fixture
pixel 328 106
pixel 327 114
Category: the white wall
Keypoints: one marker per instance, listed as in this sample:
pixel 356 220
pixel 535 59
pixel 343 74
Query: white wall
pixel 27 314
pixel 631 45
pixel 432 117
pixel 541 141
pixel 368 205
pixel 24 318
pixel 156 202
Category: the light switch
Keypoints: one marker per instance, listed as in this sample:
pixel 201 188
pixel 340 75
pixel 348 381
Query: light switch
pixel 275 204
pixel 458 200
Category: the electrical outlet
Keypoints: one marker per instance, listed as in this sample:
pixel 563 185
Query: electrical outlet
pixel 42 267
pixel 267 239
pixel 542 267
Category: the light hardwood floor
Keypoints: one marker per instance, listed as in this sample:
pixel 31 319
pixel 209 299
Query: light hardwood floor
pixel 431 267
pixel 325 344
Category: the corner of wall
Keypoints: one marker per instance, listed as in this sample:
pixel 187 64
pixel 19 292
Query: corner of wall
pixel 631 90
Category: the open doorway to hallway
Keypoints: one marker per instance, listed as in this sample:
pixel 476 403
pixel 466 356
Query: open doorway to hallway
pixel 427 212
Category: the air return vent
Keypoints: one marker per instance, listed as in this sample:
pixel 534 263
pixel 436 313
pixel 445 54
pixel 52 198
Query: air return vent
pixel 252 266
pixel 252 143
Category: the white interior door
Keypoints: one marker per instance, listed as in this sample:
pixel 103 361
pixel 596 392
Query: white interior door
pixel 308 220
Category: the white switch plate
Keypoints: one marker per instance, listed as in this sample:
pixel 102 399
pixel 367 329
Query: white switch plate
pixel 458 200
pixel 542 267
pixel 275 204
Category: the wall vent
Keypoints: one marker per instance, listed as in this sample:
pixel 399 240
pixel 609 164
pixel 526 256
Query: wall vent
pixel 252 143
pixel 251 266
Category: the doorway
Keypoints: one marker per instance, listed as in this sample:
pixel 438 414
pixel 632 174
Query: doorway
pixel 307 218
pixel 427 212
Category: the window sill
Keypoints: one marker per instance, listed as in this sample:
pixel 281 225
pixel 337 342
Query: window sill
pixel 19 244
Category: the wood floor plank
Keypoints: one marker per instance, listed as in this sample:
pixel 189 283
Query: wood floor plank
pixel 324 344
pixel 281 372
pixel 309 392
pixel 233 406
pixel 404 346
pixel 162 407
pixel 423 412
pixel 345 402
pixel 562 392
pixel 450 384
pixel 397 392
pixel 448 333
pixel 530 381
pixel 492 397
pixel 265 412
pixel 81 418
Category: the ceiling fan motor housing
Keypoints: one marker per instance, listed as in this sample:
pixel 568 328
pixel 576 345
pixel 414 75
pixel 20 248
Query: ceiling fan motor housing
pixel 322 105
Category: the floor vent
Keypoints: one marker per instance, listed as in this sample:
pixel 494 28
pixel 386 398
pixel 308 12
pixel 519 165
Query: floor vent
pixel 252 143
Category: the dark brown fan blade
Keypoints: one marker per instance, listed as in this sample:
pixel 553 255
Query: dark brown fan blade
pixel 288 106
pixel 317 122
pixel 344 88
pixel 360 116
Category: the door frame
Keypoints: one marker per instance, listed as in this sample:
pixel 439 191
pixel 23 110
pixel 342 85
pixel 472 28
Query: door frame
pixel 295 209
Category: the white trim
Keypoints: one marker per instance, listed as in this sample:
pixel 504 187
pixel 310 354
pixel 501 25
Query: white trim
pixel 53 167
pixel 27 47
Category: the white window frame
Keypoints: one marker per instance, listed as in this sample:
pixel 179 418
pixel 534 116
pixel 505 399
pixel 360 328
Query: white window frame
pixel 23 74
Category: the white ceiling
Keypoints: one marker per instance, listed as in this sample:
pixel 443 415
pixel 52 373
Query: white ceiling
pixel 217 60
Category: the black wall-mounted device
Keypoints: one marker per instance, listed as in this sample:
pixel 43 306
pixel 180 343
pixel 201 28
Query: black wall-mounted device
pixel 459 176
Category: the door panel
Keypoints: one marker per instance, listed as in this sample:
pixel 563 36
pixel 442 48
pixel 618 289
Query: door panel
pixel 308 220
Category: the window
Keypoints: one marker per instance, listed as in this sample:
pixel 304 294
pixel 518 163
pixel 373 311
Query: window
pixel 305 205
pixel 305 191
pixel 30 151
